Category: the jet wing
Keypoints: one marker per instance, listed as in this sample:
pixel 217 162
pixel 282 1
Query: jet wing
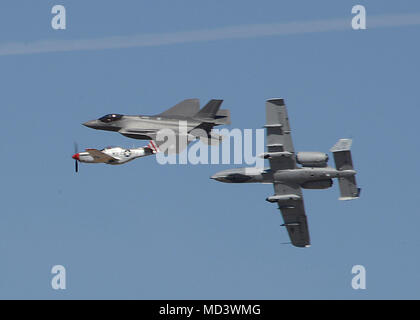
pixel 99 156
pixel 293 212
pixel 140 134
pixel 176 145
pixel 279 140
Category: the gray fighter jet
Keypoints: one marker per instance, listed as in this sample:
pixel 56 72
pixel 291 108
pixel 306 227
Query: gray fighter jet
pixel 288 178
pixel 185 115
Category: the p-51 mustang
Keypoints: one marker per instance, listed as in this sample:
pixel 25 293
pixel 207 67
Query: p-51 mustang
pixel 288 178
pixel 113 155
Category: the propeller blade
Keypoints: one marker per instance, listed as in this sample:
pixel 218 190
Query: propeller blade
pixel 76 150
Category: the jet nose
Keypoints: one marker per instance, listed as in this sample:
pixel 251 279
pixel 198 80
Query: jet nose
pixel 217 177
pixel 75 156
pixel 91 124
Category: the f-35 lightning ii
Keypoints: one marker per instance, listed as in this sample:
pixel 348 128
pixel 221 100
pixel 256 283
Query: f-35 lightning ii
pixel 288 178
pixel 185 115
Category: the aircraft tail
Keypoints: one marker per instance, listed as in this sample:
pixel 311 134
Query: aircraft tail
pixel 153 146
pixel 344 162
pixel 210 113
pixel 186 108
pixel 204 133
pixel 222 117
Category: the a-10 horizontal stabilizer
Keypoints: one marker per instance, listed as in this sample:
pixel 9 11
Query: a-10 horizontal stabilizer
pixel 343 161
pixel 348 188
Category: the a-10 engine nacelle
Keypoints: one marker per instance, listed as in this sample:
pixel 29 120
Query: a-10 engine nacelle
pixel 312 159
pixel 321 184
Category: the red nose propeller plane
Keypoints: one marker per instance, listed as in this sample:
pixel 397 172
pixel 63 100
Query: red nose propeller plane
pixel 113 155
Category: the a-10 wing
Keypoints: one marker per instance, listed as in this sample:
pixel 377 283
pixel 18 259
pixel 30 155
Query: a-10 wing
pixel 281 155
pixel 280 151
pixel 293 212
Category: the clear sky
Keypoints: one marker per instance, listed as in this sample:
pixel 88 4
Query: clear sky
pixel 143 230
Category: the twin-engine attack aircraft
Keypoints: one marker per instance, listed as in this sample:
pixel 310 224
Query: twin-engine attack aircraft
pixel 288 178
pixel 113 155
pixel 199 123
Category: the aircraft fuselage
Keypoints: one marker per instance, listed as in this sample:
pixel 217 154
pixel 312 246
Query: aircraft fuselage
pixel 120 155
pixel 298 175
pixel 138 127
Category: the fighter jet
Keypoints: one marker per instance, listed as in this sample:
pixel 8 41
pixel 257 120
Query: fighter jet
pixel 198 123
pixel 288 178
pixel 113 155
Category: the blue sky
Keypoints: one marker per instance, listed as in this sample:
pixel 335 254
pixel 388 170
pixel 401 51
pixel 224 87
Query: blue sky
pixel 147 231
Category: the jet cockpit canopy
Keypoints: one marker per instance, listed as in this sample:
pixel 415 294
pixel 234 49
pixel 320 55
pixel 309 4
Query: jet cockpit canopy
pixel 111 117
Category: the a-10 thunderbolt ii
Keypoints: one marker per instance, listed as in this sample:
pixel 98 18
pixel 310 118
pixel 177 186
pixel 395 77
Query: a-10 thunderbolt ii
pixel 113 155
pixel 288 178
pixel 185 119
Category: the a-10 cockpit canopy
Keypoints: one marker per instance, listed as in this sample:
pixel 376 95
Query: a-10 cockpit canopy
pixel 111 117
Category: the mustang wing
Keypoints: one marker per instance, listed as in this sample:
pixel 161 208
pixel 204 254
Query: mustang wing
pixel 278 135
pixel 100 156
pixel 293 211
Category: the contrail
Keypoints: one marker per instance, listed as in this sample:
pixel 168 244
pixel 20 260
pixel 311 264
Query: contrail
pixel 225 33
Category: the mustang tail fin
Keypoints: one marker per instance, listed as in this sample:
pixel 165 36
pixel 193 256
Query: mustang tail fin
pixel 153 146
pixel 343 162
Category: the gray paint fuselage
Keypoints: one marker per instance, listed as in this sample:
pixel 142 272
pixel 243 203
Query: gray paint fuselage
pixel 142 125
pixel 298 175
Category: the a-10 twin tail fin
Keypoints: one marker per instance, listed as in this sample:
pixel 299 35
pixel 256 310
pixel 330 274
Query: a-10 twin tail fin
pixel 343 161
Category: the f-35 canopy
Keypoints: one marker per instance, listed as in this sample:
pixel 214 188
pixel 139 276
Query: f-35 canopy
pixel 111 117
